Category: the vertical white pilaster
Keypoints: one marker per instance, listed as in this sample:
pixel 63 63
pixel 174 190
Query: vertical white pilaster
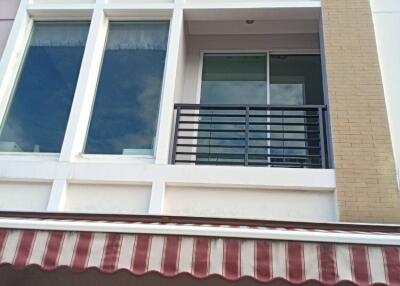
pixel 166 115
pixel 86 87
pixel 157 198
pixel 13 54
pixel 57 196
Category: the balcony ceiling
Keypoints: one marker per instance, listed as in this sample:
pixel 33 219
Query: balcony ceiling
pixel 225 14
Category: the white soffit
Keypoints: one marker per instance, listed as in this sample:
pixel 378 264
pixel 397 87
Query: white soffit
pixel 259 13
pixel 258 27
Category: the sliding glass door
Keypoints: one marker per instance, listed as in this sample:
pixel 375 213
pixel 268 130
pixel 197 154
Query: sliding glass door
pixel 272 136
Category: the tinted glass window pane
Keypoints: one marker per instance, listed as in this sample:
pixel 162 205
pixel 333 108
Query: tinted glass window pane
pixel 39 108
pixel 125 111
pixel 234 79
pixel 296 80
pixel 229 79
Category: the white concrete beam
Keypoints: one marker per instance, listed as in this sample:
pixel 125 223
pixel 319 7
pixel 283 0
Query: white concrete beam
pixel 123 173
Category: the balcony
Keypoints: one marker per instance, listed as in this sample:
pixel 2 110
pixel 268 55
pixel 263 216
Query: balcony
pixel 251 135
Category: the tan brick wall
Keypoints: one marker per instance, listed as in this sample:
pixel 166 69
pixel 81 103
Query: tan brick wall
pixel 365 172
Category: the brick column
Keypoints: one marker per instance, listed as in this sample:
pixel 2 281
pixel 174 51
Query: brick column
pixel 365 171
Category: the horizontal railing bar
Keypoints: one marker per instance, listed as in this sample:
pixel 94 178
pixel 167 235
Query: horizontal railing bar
pixel 210 162
pixel 284 139
pixel 282 116
pixel 283 123
pixel 211 122
pixel 250 139
pixel 251 147
pixel 210 138
pixel 208 154
pixel 219 155
pixel 244 115
pixel 250 123
pixel 304 157
pixel 284 164
pixel 210 146
pixel 243 131
pixel 211 130
pixel 284 131
pixel 249 163
pixel 286 147
pixel 234 163
pixel 243 107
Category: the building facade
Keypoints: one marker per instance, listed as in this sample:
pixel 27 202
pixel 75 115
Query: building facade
pixel 219 111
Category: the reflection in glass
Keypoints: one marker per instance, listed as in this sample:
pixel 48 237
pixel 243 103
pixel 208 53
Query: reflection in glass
pixel 234 79
pixel 38 112
pixel 239 79
pixel 295 80
pixel 126 108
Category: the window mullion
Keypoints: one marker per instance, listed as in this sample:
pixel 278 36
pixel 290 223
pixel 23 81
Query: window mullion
pixel 86 87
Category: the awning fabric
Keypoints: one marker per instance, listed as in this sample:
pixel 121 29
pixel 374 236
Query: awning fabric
pixel 201 257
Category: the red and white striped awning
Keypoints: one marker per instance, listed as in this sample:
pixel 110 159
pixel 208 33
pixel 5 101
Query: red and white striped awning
pixel 231 258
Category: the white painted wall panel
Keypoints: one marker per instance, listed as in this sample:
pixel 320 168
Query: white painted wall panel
pixel 24 196
pixel 116 199
pixel 5 28
pixel 250 203
pixel 8 10
pixel 386 15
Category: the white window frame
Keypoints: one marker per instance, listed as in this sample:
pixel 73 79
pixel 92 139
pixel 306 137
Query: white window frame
pixel 98 14
pixel 268 54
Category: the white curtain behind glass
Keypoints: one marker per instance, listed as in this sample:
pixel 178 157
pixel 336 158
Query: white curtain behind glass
pixel 53 34
pixel 141 36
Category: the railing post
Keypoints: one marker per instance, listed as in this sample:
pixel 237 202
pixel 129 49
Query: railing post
pixel 322 136
pixel 177 119
pixel 247 138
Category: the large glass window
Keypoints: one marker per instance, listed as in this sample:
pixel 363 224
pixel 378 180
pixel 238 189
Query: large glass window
pixel 39 108
pixel 125 112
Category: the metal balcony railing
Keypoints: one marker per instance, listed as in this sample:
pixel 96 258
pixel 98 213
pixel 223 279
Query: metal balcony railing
pixel 250 135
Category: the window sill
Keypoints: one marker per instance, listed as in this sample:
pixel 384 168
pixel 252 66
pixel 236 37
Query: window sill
pixel 98 158
pixel 29 156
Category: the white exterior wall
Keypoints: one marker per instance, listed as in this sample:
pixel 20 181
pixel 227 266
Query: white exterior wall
pixel 72 182
pixel 8 9
pixel 264 204
pixel 386 14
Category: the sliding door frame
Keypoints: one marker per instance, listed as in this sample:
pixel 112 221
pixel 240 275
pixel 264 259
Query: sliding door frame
pixel 268 54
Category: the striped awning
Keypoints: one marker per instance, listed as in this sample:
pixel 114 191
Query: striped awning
pixel 201 256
